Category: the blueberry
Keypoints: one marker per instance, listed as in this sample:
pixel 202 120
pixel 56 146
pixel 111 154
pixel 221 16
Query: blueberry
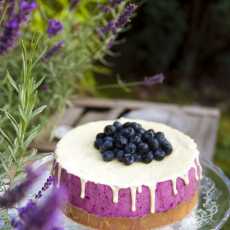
pixel 136 126
pixel 167 147
pixel 120 141
pixel 110 129
pixel 108 155
pixel 100 135
pixel 159 154
pixel 128 159
pixel 117 125
pixel 120 154
pixel 128 132
pixel 141 131
pixel 135 139
pixel 143 148
pixel 148 135
pixel 147 158
pixel 160 136
pixel 106 145
pixel 108 138
pixel 127 124
pixel 130 148
pixel 154 144
pixel 98 143
pixel 137 157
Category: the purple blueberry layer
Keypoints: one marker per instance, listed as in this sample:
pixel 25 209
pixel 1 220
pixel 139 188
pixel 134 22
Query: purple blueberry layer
pixel 99 198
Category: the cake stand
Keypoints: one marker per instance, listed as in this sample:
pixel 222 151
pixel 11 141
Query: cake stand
pixel 212 211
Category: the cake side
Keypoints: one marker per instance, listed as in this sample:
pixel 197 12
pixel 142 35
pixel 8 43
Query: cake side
pixel 99 200
pixel 112 189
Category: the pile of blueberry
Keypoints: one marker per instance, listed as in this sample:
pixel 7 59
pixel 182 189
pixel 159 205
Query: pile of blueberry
pixel 130 142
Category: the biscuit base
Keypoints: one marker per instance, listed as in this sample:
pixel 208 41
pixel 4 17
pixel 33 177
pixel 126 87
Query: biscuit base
pixel 147 222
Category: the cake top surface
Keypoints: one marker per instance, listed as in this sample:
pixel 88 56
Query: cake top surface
pixel 76 153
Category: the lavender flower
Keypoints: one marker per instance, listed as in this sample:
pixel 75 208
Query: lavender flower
pixel 156 79
pixel 125 16
pixel 73 4
pixel 54 27
pixel 109 27
pixel 46 186
pixel 25 8
pixel 115 2
pixel 53 50
pixel 12 196
pixel 34 217
pixel 104 8
pixel 11 30
pixel 114 25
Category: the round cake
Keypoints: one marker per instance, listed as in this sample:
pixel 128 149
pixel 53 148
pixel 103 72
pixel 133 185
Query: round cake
pixel 136 192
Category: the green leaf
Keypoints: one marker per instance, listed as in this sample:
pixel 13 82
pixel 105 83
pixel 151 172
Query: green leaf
pixel 5 136
pixel 11 81
pixel 38 110
pixel 12 120
pixel 33 133
pixel 39 82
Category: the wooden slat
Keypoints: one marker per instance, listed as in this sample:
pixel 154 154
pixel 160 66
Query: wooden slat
pixel 93 116
pixel 115 113
pixel 133 104
pixel 70 116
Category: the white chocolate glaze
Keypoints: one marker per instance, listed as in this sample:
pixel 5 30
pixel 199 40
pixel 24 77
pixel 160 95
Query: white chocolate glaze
pixel 174 180
pixel 133 198
pixel 139 189
pixel 152 198
pixel 77 155
pixel 115 190
pixel 83 183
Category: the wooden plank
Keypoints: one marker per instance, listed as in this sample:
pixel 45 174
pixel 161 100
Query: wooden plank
pixel 158 115
pixel 134 104
pixel 115 113
pixel 93 116
pixel 70 116
pixel 201 111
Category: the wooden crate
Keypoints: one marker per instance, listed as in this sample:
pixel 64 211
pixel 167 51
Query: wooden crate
pixel 200 123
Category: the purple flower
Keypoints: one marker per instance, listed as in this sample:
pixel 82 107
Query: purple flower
pixel 13 25
pixel 54 27
pixel 115 2
pixel 156 79
pixel 53 50
pixel 12 196
pixel 27 7
pixel 109 27
pixel 104 8
pixel 120 22
pixel 42 217
pixel 125 16
pixel 46 186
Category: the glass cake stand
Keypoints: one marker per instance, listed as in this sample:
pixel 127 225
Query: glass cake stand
pixel 212 211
